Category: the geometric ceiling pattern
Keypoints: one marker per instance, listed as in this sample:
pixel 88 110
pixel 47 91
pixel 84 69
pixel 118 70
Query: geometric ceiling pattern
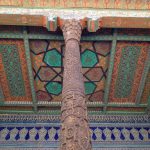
pixel 116 72
pixel 47 68
pixel 47 63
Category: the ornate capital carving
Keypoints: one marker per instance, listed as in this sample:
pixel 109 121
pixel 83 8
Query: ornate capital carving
pixel 72 30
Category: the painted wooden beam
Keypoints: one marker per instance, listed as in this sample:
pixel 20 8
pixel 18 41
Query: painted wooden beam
pixel 91 25
pixel 22 20
pixel 110 70
pixel 148 106
pixel 29 65
pixel 83 38
pixel 143 79
pixel 125 22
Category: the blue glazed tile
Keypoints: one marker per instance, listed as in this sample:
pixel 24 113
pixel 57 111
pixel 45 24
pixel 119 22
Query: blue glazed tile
pixel 56 136
pixel 103 136
pixel 47 128
pixel 93 128
pixel 38 128
pixel 56 128
pixel 102 128
pixel 146 128
pixel 131 136
pixel 122 136
pixel 1 128
pixel 119 128
pixel 46 136
pixel 27 137
pixel 17 137
pixel 19 128
pixel 10 128
pixel 7 136
pixel 112 136
pixel 138 128
pixel 110 128
pixel 37 137
pixel 29 128
pixel 141 136
pixel 94 136
pixel 128 128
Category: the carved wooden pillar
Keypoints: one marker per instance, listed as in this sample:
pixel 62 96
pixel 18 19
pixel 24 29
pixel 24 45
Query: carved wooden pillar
pixel 75 133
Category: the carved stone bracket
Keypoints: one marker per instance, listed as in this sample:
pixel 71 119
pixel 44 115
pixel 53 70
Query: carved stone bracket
pixel 75 133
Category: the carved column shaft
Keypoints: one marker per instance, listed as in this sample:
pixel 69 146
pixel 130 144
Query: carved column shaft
pixel 75 133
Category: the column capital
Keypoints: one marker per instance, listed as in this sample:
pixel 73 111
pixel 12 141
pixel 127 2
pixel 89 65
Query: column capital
pixel 72 29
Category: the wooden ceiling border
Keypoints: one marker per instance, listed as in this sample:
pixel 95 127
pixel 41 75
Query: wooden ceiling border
pixel 110 69
pixel 29 66
pixel 91 25
pixel 143 79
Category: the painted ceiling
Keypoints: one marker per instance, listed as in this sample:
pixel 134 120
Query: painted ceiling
pixel 116 72
pixel 109 4
pixel 47 61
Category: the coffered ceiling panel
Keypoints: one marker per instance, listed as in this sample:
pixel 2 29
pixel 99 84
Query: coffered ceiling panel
pixel 115 66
